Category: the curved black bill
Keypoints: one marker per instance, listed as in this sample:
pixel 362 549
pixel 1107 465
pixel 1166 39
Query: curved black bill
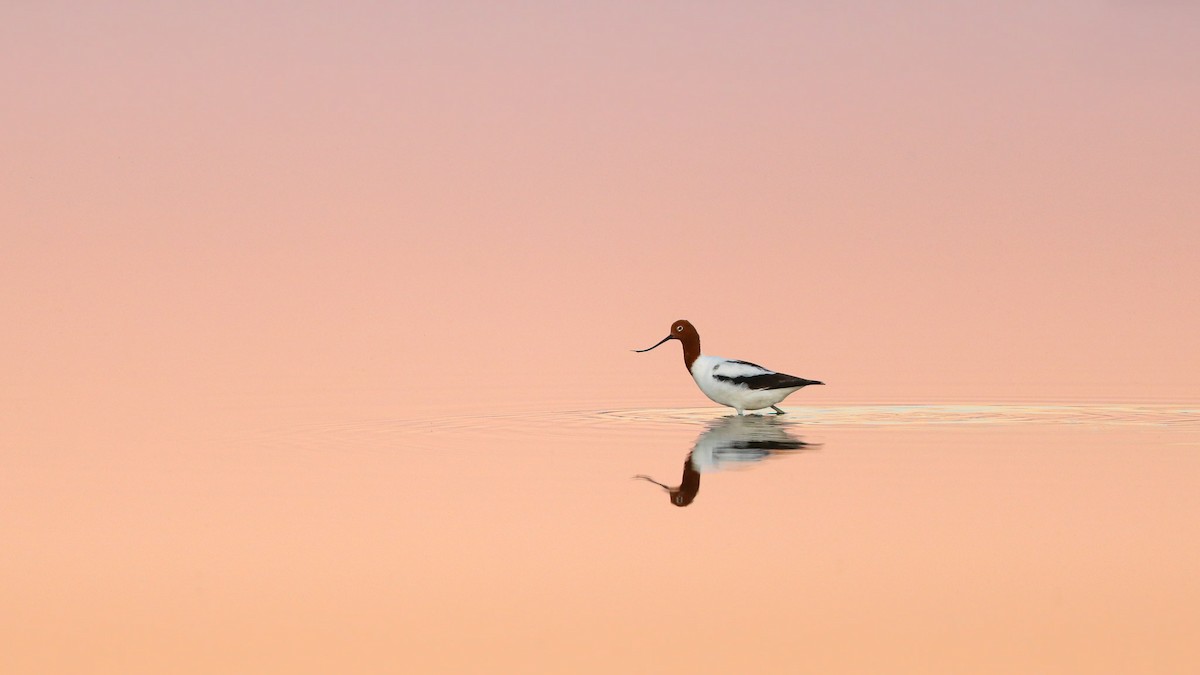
pixel 659 343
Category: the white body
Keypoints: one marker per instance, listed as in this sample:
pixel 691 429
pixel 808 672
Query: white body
pixel 738 397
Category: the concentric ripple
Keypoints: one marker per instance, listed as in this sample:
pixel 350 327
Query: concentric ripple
pixel 615 423
pixel 950 414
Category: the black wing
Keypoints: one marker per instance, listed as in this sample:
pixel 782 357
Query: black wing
pixel 767 380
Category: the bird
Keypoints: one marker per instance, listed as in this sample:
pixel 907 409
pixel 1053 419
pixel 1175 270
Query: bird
pixel 741 385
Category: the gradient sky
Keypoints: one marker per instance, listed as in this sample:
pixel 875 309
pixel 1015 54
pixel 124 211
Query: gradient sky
pixel 453 202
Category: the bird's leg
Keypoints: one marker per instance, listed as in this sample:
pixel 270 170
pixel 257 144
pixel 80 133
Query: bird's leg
pixel 778 410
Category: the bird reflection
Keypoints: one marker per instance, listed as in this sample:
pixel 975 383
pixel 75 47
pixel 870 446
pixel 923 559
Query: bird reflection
pixel 730 442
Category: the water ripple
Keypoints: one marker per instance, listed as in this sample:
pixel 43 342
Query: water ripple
pixel 1157 415
pixel 641 421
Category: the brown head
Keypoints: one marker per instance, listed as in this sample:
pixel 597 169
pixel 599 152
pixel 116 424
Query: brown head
pixel 685 332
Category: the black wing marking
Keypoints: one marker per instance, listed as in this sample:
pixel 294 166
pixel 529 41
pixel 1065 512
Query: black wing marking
pixel 747 363
pixel 767 380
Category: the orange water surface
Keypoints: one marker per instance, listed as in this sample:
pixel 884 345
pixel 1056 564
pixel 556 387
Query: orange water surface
pixel 918 538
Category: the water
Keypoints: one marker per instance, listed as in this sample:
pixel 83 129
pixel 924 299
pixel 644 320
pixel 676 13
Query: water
pixel 868 538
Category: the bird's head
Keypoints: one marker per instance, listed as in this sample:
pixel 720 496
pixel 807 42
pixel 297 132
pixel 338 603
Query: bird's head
pixel 682 330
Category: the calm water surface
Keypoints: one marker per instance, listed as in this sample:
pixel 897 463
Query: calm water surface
pixel 844 538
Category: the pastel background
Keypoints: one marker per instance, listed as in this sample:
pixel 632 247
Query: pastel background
pixel 448 201
pixel 226 219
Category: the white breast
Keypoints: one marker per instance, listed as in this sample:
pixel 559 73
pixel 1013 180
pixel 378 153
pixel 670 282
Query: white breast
pixel 704 371
pixel 706 368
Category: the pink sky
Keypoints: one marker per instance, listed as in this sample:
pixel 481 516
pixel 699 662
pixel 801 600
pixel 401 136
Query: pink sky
pixel 451 202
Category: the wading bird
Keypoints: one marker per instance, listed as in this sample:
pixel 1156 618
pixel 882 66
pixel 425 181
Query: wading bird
pixel 741 385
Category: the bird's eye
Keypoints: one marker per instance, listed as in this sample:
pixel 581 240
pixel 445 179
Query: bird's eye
pixel 679 328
